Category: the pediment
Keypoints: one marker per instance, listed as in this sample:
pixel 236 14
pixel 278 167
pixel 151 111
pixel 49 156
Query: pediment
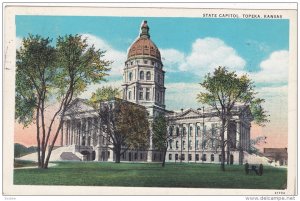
pixel 189 113
pixel 78 106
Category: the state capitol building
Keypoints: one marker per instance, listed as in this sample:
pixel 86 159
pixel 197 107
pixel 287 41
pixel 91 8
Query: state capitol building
pixel 194 131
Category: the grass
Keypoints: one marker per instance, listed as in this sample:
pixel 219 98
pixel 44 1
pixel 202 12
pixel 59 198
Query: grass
pixel 151 175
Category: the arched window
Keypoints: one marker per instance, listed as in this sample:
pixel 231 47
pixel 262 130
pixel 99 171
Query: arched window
pixel 170 144
pixel 177 145
pixel 198 131
pixel 130 76
pixel 148 75
pixel 129 95
pixel 142 75
pixel 171 130
pixel 184 131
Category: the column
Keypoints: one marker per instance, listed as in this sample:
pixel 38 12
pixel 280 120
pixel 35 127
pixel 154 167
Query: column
pixel 149 154
pixel 86 131
pixel 80 132
pixel 181 136
pixel 238 134
pixel 71 131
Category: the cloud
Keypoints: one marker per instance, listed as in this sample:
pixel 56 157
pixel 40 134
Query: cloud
pixel 118 57
pixel 172 59
pixel 209 53
pixel 274 69
pixel 182 95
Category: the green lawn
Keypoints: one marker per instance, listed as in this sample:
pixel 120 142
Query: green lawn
pixel 151 175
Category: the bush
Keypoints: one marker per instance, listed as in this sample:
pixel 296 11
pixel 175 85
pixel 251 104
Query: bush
pixel 260 169
pixel 247 168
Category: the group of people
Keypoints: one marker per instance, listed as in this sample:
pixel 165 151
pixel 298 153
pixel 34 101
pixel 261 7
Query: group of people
pixel 253 168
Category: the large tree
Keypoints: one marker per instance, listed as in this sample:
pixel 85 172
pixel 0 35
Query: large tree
pixel 224 90
pixel 104 93
pixel 161 138
pixel 45 75
pixel 125 126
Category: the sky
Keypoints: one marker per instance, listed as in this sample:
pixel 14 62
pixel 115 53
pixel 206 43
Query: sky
pixel 190 48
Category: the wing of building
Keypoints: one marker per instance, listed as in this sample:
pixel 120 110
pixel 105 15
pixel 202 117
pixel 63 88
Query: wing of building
pixel 194 132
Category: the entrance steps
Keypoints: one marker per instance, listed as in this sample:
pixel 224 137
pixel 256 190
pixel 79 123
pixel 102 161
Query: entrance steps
pixel 63 153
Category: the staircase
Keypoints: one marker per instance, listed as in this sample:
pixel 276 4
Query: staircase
pixel 59 154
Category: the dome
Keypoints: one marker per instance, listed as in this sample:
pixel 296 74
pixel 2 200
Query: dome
pixel 143 46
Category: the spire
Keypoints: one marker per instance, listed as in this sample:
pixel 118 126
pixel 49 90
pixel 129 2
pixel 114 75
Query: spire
pixel 144 30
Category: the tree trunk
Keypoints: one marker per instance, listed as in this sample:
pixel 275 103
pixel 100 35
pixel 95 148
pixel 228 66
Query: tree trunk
pixel 118 157
pixel 164 158
pixel 117 151
pixel 228 153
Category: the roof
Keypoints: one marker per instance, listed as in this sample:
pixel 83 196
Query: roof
pixel 144 46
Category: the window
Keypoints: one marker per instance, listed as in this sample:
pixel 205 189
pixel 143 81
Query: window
pixel 129 95
pixel 170 156
pixel 220 158
pixel 197 157
pixel 176 157
pixel 190 157
pixel 130 76
pixel 191 131
pixel 170 143
pixel 158 98
pixel 177 145
pixel 142 75
pixel 147 93
pixel 131 63
pixel 124 156
pixel 197 144
pixel 184 131
pixel 204 144
pixel 152 61
pixel 177 131
pixel 171 130
pixel 145 61
pixel 212 157
pixel 148 75
pixel 183 144
pixel 158 78
pixel 141 156
pixel 213 129
pixel 182 157
pixel 203 157
pixel 198 131
pixel 154 157
pixel 141 94
pixel 135 156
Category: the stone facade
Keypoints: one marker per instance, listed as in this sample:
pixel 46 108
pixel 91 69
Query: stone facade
pixel 193 132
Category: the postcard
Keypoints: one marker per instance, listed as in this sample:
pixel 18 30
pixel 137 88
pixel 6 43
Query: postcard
pixel 150 99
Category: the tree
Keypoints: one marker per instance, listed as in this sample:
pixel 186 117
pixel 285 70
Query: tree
pixel 47 74
pixel 160 137
pixel 125 125
pixel 104 94
pixel 224 90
